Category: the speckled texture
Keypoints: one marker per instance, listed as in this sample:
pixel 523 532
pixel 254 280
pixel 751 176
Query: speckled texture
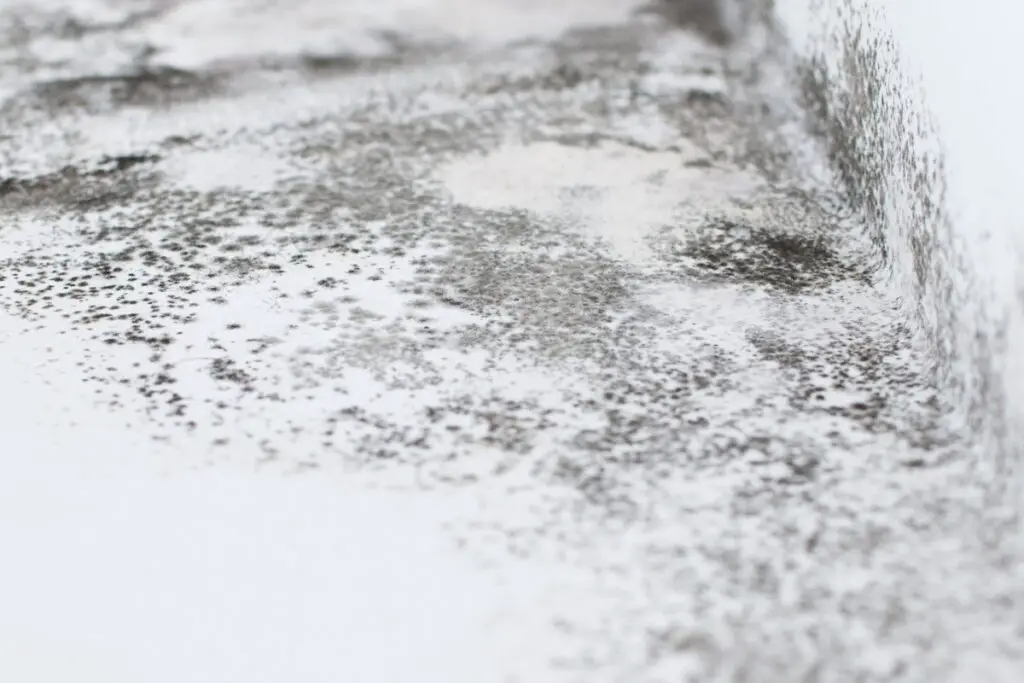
pixel 564 281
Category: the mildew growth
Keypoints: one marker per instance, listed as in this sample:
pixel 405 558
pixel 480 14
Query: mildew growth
pixel 113 181
pixel 697 431
pixel 867 110
pixel 708 18
pixel 727 251
pixel 153 87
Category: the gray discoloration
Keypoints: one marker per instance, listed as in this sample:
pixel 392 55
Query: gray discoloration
pixel 708 410
pixel 706 17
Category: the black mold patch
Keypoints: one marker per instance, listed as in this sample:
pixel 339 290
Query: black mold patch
pixel 703 16
pixel 402 50
pixel 336 63
pixel 726 251
pixel 533 295
pixel 148 262
pixel 145 87
pixel 114 180
pixel 563 76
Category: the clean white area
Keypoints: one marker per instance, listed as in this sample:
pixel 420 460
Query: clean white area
pixel 119 566
pixel 249 169
pixel 620 194
pixel 221 577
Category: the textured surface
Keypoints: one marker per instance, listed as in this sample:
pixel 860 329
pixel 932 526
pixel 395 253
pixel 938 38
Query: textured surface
pixel 529 270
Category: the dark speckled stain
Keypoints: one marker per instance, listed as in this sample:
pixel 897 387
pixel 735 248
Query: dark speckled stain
pixel 661 401
pixel 142 87
pixel 565 75
pixel 114 180
pixel 401 51
pixel 182 243
pixel 146 85
pixel 702 16
pixel 727 251
pixel 539 296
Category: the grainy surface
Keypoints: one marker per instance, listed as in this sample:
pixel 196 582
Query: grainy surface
pixel 537 262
